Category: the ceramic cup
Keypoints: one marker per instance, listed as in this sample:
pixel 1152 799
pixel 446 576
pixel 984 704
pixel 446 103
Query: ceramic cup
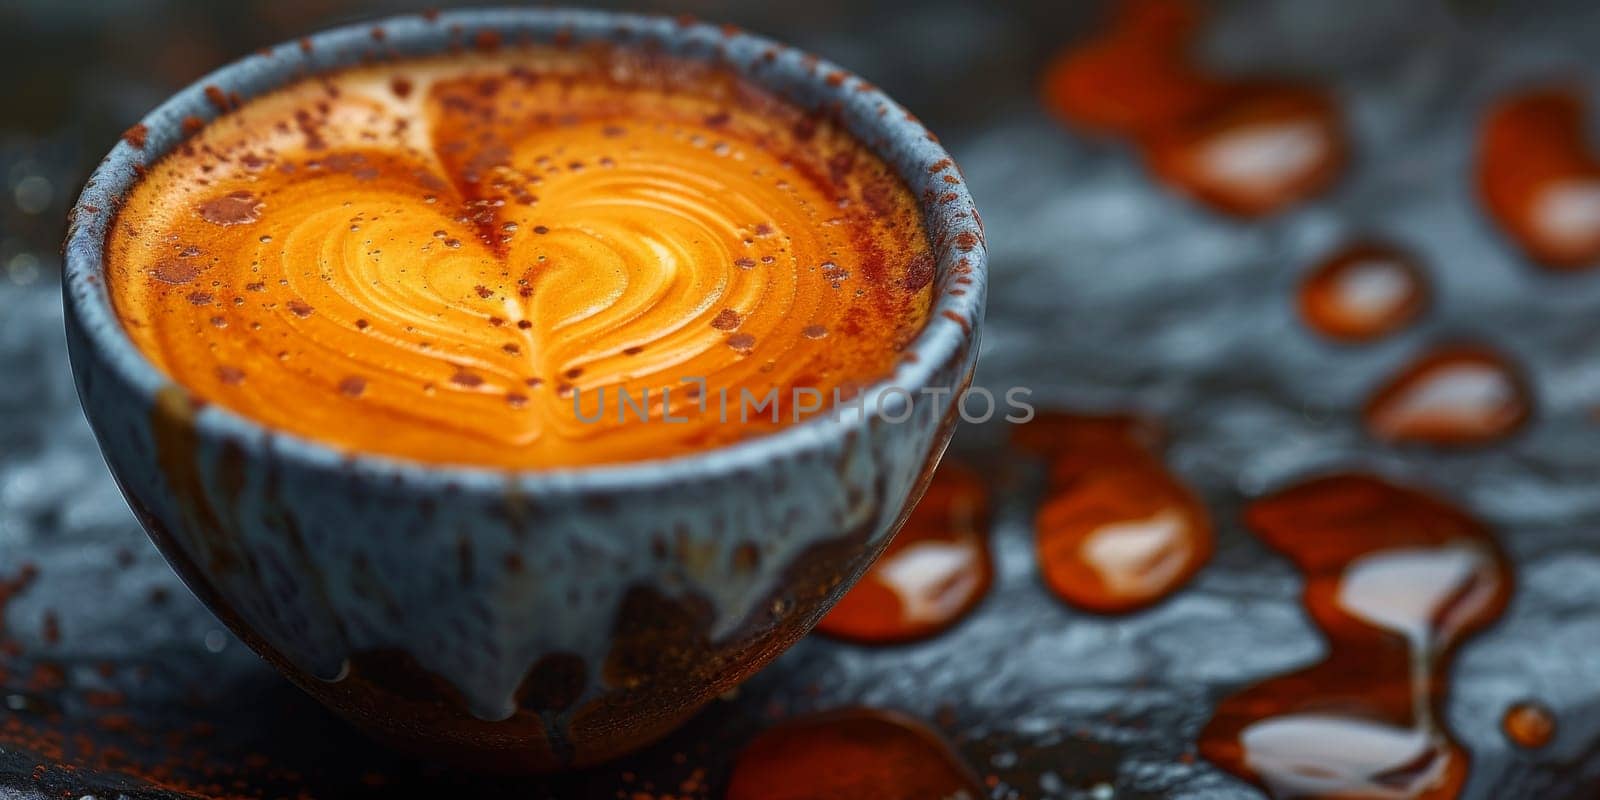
pixel 529 620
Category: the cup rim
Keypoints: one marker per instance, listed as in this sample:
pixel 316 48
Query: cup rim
pixel 880 123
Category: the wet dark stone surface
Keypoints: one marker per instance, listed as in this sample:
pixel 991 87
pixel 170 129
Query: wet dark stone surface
pixel 1107 293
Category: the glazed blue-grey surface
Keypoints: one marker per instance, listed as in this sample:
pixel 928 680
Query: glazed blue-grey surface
pixel 318 555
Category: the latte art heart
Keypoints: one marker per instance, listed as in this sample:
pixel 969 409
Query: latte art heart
pixel 430 259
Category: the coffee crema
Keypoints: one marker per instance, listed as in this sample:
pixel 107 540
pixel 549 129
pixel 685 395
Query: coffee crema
pixel 428 259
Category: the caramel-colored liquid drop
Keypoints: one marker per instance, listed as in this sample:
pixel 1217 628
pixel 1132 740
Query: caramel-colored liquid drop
pixel 468 259
pixel 854 754
pixel 1265 148
pixel 1117 531
pixel 1540 179
pixel 934 572
pixel 1395 579
pixel 1136 75
pixel 1244 147
pixel 1459 394
pixel 1363 292
pixel 1529 724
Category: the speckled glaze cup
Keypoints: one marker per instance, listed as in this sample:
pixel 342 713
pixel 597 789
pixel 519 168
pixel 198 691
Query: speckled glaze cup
pixel 525 621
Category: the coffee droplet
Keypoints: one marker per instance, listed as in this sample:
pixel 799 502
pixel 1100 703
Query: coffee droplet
pixel 1529 725
pixel 1540 179
pixel 1116 530
pixel 1265 149
pixel 235 208
pixel 1460 394
pixel 1246 147
pixel 933 573
pixel 1395 579
pixel 1136 75
pixel 852 754
pixel 1363 292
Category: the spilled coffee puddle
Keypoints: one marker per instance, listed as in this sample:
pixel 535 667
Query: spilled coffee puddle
pixel 1248 147
pixel 1454 394
pixel 1539 176
pixel 1363 292
pixel 1116 531
pixel 934 573
pixel 1395 579
pixel 850 754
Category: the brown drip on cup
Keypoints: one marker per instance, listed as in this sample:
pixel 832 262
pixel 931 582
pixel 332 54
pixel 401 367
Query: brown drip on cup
pixel 1395 580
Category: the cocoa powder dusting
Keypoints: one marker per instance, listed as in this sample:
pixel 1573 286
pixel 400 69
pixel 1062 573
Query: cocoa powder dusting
pixel 353 386
pixel 234 208
pixel 176 272
pixel 217 98
pixel 726 320
pixel 136 135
